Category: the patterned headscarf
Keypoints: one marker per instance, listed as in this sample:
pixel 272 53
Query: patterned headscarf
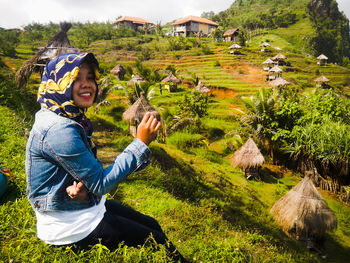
pixel 55 90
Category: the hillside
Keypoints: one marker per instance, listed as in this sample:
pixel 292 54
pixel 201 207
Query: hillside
pixel 312 26
pixel 207 207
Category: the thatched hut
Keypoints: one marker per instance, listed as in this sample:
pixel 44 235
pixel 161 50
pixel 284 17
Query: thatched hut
pixel 234 49
pixel 274 73
pixel 135 79
pixel 279 59
pixel 322 60
pixel 172 81
pixel 119 72
pixel 202 88
pixel 321 82
pixel 248 158
pixel 231 34
pixel 265 47
pixel 134 114
pixel 268 64
pixel 279 82
pixel 303 214
pixel 58 45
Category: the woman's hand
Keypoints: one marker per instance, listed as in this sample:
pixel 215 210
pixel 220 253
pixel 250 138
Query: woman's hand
pixel 77 191
pixel 148 128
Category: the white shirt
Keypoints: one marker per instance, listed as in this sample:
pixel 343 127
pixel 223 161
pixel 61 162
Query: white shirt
pixel 67 227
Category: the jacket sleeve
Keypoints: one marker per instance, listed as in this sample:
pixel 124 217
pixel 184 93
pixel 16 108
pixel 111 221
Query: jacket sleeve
pixel 66 146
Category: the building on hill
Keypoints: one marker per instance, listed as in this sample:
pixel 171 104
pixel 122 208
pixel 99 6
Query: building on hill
pixel 171 81
pixel 134 114
pixel 231 35
pixel 58 45
pixel 279 59
pixel 118 71
pixel 193 25
pixel 235 49
pixel 268 64
pixel 274 73
pixel 321 82
pixel 304 215
pixel 135 79
pixel 322 60
pixel 134 23
pixel 248 158
pixel 279 82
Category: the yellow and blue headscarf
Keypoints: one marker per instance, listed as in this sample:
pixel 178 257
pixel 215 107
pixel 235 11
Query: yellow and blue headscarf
pixel 55 90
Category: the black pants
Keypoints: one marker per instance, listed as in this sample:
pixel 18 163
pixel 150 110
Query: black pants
pixel 121 223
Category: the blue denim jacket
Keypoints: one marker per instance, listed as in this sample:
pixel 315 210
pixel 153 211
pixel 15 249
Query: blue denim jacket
pixel 58 153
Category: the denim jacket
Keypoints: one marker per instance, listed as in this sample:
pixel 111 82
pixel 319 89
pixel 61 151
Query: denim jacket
pixel 58 153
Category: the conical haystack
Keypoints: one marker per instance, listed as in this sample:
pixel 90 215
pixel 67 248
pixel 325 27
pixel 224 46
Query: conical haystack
pixel 135 113
pixel 58 45
pixel 303 214
pixel 248 156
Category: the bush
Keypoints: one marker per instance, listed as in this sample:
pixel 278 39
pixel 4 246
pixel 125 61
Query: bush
pixel 215 133
pixel 185 141
pixel 206 50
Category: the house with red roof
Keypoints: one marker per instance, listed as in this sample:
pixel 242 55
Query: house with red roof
pixel 132 22
pixel 193 25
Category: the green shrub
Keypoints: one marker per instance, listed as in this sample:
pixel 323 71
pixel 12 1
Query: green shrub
pixel 206 50
pixel 185 141
pixel 215 133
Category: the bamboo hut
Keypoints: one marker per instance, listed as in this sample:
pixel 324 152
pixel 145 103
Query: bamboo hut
pixel 322 60
pixel 135 79
pixel 321 82
pixel 234 49
pixel 268 64
pixel 279 59
pixel 231 34
pixel 58 45
pixel 202 88
pixel 118 71
pixel 265 47
pixel 248 158
pixel 279 82
pixel 134 114
pixel 274 73
pixel 172 81
pixel 303 214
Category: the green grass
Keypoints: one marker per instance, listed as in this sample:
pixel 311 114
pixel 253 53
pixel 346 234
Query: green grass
pixel 206 207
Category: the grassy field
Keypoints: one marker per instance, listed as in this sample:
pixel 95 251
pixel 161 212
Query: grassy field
pixel 207 208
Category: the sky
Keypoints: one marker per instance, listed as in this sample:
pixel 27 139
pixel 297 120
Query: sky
pixel 18 13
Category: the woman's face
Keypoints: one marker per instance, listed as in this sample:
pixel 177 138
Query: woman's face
pixel 84 87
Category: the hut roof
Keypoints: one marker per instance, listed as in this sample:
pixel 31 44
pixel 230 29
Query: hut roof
pixel 279 56
pixel 277 48
pixel 279 82
pixel 322 57
pixel 135 79
pixel 118 69
pixel 248 155
pixel 265 44
pixel 268 61
pixel 202 88
pixel 197 19
pixel 58 45
pixel 321 79
pixel 171 78
pixel 136 111
pixel 303 211
pixel 235 46
pixel 134 20
pixel 276 69
pixel 231 32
